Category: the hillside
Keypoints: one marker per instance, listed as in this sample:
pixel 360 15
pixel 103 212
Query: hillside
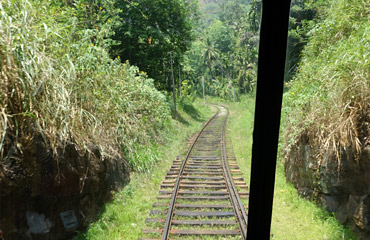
pixel 327 113
pixel 73 120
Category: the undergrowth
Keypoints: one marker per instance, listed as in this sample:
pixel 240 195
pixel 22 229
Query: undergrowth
pixel 124 217
pixel 328 102
pixel 58 79
pixel 293 217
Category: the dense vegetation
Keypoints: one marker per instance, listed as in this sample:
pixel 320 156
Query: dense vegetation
pixel 303 15
pixel 293 217
pixel 328 99
pixel 150 30
pixel 66 65
pixel 100 72
pixel 57 78
pixel 225 50
pixel 125 216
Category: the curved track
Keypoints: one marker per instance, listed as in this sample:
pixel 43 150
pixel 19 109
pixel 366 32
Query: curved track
pixel 203 195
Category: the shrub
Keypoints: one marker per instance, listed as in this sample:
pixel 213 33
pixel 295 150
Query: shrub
pixel 57 78
pixel 329 98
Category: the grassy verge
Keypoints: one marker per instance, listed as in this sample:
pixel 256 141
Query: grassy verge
pixel 328 101
pixel 124 217
pixel 293 217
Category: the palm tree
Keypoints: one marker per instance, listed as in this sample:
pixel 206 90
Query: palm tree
pixel 209 55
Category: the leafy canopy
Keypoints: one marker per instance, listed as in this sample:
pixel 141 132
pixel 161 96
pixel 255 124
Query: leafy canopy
pixel 149 30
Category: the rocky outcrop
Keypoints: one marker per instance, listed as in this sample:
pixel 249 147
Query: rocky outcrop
pixel 48 197
pixel 341 185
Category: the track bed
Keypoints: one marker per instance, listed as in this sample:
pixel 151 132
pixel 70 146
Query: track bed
pixel 203 195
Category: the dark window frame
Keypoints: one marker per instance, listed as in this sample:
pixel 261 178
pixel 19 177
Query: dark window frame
pixel 270 81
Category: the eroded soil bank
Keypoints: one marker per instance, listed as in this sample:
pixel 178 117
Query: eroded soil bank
pixel 340 186
pixel 48 197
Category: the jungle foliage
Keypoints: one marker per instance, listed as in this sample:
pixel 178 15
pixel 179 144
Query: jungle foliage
pixel 58 79
pixel 225 50
pixel 328 101
pixel 150 30
pixel 303 16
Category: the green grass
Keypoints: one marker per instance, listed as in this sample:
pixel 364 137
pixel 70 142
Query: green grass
pixel 124 217
pixel 58 79
pixel 297 218
pixel 328 99
pixel 293 217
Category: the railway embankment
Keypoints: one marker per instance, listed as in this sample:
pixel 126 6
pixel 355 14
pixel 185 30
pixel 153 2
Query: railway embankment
pixel 73 121
pixel 47 196
pixel 339 184
pixel 326 115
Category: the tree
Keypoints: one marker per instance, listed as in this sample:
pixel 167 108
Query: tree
pixel 209 55
pixel 232 13
pixel 255 14
pixel 301 21
pixel 149 30
pixel 229 47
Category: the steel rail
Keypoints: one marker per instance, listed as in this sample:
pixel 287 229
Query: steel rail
pixel 234 195
pixel 175 190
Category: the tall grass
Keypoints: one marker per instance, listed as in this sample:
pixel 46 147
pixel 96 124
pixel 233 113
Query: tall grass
pixel 329 98
pixel 124 217
pixel 293 217
pixel 57 79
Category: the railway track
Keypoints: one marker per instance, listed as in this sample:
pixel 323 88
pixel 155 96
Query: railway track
pixel 203 195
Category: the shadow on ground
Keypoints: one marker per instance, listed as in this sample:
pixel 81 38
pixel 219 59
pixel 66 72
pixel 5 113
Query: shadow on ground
pixel 192 112
pixel 189 110
pixel 179 117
